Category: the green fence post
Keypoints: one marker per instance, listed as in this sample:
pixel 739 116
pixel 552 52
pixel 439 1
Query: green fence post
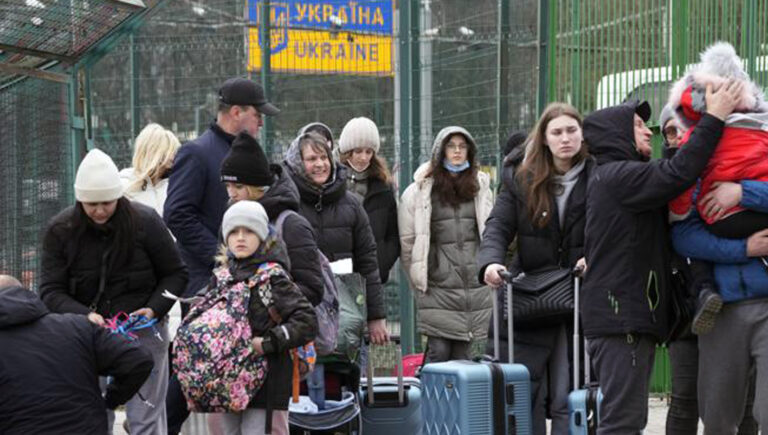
pixel 502 80
pixel 749 42
pixel 266 71
pixel 405 96
pixel 578 87
pixel 551 73
pixel 543 53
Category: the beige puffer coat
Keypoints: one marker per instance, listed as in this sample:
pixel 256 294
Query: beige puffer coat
pixel 414 220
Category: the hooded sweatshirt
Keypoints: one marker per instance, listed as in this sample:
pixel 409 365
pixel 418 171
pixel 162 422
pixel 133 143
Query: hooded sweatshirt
pixel 51 363
pixel 340 222
pixel 626 289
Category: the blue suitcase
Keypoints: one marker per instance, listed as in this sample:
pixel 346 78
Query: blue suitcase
pixel 483 398
pixel 584 410
pixel 583 403
pixel 394 408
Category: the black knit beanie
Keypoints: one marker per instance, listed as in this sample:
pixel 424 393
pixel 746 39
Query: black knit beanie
pixel 246 163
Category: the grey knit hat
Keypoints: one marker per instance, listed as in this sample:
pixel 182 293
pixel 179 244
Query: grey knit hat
pixel 248 214
pixel 359 133
pixel 667 113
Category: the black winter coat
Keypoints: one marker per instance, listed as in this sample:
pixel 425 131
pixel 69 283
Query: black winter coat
pixel 298 235
pixel 381 207
pixel 298 317
pixel 73 269
pixel 627 284
pixel 343 231
pixel 50 366
pixel 537 248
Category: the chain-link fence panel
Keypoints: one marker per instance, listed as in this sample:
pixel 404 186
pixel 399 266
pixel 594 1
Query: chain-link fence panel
pixel 36 169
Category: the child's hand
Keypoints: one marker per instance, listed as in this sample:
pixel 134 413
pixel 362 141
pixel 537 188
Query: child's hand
pixel 256 342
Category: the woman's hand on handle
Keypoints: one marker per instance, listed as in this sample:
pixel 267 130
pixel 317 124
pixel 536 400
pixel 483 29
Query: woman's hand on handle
pixel 491 275
pixel 581 266
pixel 378 331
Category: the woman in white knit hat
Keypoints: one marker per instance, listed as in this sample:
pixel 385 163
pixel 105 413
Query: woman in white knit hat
pixel 370 180
pixel 104 256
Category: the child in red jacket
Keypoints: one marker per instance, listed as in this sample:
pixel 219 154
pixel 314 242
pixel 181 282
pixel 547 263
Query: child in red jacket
pixel 742 154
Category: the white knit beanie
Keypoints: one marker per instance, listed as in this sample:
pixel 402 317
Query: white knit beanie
pixel 97 179
pixel 359 133
pixel 248 214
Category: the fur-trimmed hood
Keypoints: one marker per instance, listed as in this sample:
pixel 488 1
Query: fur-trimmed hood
pixel 719 63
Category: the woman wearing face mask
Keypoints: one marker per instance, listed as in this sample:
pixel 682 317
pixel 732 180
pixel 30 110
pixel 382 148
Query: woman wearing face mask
pixel 442 217
pixel 339 220
pixel 106 255
pixel 543 204
pixel 369 179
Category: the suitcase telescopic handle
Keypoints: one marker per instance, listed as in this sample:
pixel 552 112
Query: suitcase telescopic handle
pixel 507 277
pixel 399 365
pixel 577 273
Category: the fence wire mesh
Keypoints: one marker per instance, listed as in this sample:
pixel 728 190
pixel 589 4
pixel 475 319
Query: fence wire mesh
pixel 35 165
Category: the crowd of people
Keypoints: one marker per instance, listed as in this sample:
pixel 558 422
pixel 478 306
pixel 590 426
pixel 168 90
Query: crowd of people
pixel 673 251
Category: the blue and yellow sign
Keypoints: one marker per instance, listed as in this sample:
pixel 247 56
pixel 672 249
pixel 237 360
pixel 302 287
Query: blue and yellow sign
pixel 325 36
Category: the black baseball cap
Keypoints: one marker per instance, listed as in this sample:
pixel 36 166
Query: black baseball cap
pixel 243 92
pixel 643 110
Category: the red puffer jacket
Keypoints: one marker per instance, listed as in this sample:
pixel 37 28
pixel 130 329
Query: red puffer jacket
pixel 742 154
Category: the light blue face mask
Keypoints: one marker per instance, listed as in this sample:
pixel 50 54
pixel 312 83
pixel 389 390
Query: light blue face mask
pixel 455 168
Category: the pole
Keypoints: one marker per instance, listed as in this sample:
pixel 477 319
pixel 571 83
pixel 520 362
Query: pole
pixel 266 70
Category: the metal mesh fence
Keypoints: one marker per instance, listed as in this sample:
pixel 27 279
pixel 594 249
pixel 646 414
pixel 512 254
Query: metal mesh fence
pixel 607 51
pixel 35 165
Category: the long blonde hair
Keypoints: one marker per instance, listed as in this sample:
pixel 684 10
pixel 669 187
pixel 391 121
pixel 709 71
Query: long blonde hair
pixel 154 151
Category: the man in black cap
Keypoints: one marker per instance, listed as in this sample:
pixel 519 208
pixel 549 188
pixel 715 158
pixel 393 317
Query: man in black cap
pixel 197 199
pixel 625 298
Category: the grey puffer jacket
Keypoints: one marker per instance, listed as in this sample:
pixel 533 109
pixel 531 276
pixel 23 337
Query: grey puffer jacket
pixel 454 306
pixel 439 249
